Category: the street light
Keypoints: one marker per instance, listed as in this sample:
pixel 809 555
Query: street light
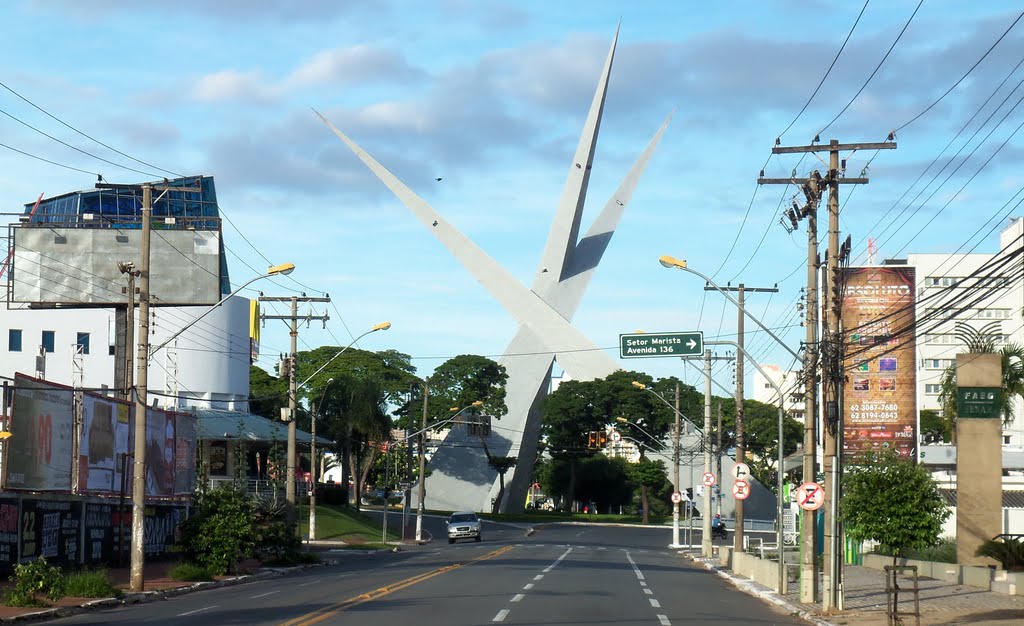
pixel 277 270
pixel 293 398
pixel 312 463
pixel 144 354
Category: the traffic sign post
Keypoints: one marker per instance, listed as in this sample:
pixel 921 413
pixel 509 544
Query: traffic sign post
pixel 810 496
pixel 690 343
pixel 740 489
pixel 740 471
pixel 677 497
pixel 708 479
pixel 616 436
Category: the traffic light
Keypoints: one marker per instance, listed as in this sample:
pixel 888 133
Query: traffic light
pixel 602 438
pixel 689 494
pixel 591 440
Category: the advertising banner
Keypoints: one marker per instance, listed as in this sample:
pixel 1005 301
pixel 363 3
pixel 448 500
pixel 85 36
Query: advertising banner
pixel 103 444
pixel 161 528
pixel 8 534
pixel 184 453
pixel 160 447
pixel 99 532
pixel 42 423
pixel 880 395
pixel 50 528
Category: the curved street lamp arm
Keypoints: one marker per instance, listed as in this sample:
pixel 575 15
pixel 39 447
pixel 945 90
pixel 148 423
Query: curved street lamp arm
pixel 381 326
pixel 444 421
pixel 668 261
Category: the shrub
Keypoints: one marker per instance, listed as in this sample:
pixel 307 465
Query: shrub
pixel 190 573
pixel 275 537
pixel 1009 551
pixel 34 579
pixel 91 584
pixel 222 531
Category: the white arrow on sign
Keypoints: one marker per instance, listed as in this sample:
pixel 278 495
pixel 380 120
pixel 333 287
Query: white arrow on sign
pixel 740 471
pixel 691 344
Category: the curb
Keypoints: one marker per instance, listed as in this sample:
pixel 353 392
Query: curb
pixel 150 596
pixel 747 586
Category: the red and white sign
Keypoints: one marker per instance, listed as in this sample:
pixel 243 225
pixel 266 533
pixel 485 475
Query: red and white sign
pixel 741 489
pixel 740 471
pixel 616 436
pixel 677 497
pixel 708 479
pixel 810 496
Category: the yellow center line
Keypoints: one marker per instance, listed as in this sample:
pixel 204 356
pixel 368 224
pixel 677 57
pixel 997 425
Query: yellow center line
pixel 323 613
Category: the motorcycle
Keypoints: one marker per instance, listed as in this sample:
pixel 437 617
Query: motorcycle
pixel 719 532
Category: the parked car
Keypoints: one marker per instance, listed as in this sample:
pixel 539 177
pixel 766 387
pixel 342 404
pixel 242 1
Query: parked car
pixel 463 525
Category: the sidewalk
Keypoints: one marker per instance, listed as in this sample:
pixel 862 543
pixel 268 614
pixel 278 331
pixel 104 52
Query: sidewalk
pixel 942 603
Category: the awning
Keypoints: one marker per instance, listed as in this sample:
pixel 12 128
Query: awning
pixel 221 424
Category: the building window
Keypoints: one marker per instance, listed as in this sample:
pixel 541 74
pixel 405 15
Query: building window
pixel 14 340
pixel 1006 440
pixel 932 390
pixel 83 342
pixel 48 340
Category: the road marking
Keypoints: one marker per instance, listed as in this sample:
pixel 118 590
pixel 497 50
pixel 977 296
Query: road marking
pixel 528 587
pixel 263 595
pixel 557 561
pixel 664 620
pixel 500 617
pixel 639 574
pixel 518 597
pixel 655 603
pixel 538 577
pixel 648 591
pixel 312 582
pixel 643 583
pixel 205 608
pixel 319 615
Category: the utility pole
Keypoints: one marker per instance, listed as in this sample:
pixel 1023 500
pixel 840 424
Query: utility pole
pixel 706 548
pixel 127 378
pixel 675 475
pixel 422 488
pixel 718 447
pixel 293 319
pixel 741 290
pixel 829 351
pixel 138 556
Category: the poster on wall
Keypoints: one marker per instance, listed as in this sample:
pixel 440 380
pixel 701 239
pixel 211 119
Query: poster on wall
pixel 43 417
pixel 880 395
pixel 159 453
pixel 103 444
pixel 8 534
pixel 50 528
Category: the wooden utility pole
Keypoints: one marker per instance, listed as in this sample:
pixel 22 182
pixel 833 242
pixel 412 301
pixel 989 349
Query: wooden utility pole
pixel 829 352
pixel 141 382
pixel 740 427
pixel 293 386
pixel 421 478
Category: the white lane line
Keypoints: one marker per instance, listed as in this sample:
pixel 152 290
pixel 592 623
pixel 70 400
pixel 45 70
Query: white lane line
pixel 655 603
pixel 639 574
pixel 500 617
pixel 263 595
pixel 528 587
pixel 643 583
pixel 205 608
pixel 538 577
pixel 557 561
pixel 664 620
pixel 518 597
pixel 648 592
pixel 312 582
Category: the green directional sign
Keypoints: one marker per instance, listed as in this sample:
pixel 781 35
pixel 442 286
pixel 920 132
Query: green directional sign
pixel 690 343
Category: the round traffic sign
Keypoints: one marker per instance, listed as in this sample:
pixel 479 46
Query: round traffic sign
pixel 677 497
pixel 708 479
pixel 740 489
pixel 616 436
pixel 810 496
pixel 740 471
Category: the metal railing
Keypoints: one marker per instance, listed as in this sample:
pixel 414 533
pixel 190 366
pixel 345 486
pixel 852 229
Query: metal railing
pixel 260 487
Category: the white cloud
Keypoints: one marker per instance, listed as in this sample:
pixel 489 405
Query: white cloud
pixel 358 64
pixel 229 85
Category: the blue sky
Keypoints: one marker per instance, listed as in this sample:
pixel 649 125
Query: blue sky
pixel 491 98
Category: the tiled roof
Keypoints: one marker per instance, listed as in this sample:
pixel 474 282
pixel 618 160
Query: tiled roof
pixel 1011 499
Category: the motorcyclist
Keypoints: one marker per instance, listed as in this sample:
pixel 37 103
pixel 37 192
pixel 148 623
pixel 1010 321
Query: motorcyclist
pixel 717 523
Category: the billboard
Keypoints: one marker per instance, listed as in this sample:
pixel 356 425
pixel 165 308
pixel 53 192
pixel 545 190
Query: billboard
pixel 42 424
pixel 880 395
pixel 160 447
pixel 184 453
pixel 103 443
pixel 80 265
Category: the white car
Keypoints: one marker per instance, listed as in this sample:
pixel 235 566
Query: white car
pixel 463 525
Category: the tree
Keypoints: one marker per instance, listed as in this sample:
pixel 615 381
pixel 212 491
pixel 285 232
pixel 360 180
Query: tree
pixel 1012 358
pixel 934 429
pixel 568 414
pixel 649 475
pixel 893 501
pixel 267 393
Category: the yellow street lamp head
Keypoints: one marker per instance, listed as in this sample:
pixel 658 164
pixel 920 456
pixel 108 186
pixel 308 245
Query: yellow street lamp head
pixel 638 384
pixel 281 270
pixel 622 419
pixel 671 261
pixel 6 434
pixel 381 326
pixel 478 403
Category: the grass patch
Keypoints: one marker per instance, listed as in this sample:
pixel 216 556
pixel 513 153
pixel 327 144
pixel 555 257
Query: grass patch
pixel 90 584
pixel 942 552
pixel 190 573
pixel 342 523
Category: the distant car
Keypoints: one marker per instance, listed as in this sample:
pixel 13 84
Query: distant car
pixel 463 525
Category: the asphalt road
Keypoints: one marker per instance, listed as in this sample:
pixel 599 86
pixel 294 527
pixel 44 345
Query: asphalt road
pixel 562 574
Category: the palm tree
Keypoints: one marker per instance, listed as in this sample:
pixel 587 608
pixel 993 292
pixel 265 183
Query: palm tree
pixel 983 342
